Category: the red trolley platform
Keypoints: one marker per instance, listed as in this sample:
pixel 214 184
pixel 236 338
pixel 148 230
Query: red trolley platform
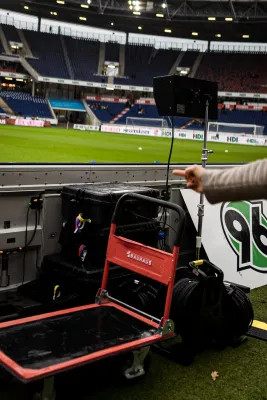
pixel 41 346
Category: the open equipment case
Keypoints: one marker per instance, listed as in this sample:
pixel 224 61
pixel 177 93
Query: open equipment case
pixel 41 346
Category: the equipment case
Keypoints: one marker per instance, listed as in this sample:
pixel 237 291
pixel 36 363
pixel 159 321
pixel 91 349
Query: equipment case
pixel 95 204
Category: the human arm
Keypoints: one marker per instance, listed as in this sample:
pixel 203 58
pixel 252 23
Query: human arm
pixel 247 182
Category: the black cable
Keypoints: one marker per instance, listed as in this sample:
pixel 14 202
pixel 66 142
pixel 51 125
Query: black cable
pixel 167 178
pixel 35 229
pixel 151 220
pixel 25 246
pixel 169 160
pixel 26 243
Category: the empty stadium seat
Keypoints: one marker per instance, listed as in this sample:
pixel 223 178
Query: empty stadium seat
pixel 26 105
pixel 142 63
pixel 83 55
pixel 250 117
pixel 1 48
pixel 235 72
pixel 11 33
pixel 112 51
pixel 115 109
pixel 189 59
pixel 106 115
pixel 48 50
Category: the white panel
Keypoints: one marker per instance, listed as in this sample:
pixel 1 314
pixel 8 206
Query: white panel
pixel 217 246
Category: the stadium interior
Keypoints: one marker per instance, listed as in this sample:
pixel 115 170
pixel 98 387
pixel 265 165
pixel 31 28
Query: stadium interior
pixel 36 51
pixel 80 126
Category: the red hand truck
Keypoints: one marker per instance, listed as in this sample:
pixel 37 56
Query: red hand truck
pixel 41 346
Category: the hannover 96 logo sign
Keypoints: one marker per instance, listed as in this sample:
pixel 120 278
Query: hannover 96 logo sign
pixel 245 228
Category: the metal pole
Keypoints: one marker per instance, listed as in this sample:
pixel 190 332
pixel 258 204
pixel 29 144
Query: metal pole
pixel 204 159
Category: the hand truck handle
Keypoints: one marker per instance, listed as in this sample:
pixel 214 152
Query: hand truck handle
pixel 161 203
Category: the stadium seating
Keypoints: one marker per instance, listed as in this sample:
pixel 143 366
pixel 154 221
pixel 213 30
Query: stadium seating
pixel 114 109
pixel 244 117
pixel 249 117
pixel 150 111
pixel 50 57
pixel 112 51
pixel 83 55
pixel 225 68
pixel 2 111
pixel 105 114
pixel 1 48
pixel 189 59
pixel 142 63
pixel 26 105
pixel 11 33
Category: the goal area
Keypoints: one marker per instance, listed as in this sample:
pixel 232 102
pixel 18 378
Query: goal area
pixel 235 129
pixel 135 122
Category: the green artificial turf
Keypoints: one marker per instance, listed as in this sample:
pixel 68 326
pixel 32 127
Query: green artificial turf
pixel 27 144
pixel 242 373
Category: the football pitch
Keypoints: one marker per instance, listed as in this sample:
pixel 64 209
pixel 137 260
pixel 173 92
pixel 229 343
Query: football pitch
pixel 27 144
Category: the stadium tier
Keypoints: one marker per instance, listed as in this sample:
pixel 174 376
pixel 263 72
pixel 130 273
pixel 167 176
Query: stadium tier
pixel 244 117
pixel 83 56
pixel 25 105
pixel 47 49
pixel 142 63
pixel 2 111
pixel 225 68
pixel 112 51
pixel 1 48
pixel 108 111
pixel 189 59
pixel 11 33
pixel 70 58
pixel 105 111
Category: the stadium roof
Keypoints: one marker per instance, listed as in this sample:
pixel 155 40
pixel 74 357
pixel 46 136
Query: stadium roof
pixel 225 20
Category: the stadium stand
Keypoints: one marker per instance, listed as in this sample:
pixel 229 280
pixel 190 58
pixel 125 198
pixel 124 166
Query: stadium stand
pixel 114 110
pixel 83 55
pixel 1 48
pixel 150 111
pixel 26 105
pixel 244 117
pixel 105 111
pixel 11 33
pixel 189 59
pixel 112 51
pixel 225 68
pixel 142 63
pixel 2 111
pixel 47 47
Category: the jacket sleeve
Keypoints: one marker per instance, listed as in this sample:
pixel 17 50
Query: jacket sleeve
pixel 247 182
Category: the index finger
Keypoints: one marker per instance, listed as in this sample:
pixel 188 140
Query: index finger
pixel 179 172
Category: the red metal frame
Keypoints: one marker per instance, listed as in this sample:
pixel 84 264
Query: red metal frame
pixel 147 261
pixel 27 374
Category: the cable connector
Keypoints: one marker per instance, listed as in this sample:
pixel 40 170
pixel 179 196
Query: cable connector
pixel 36 203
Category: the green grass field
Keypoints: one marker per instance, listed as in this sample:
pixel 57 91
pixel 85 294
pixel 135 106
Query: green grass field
pixel 21 144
